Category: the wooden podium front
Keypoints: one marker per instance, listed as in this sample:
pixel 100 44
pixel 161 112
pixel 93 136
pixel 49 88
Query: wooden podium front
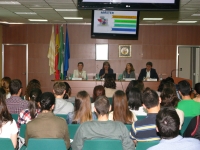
pixel 79 85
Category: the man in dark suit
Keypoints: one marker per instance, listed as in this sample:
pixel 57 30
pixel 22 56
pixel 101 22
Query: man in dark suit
pixel 148 72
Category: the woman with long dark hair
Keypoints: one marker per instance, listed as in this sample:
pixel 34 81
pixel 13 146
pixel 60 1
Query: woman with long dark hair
pixel 8 125
pixel 129 71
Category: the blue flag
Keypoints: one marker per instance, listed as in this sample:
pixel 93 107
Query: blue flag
pixel 67 54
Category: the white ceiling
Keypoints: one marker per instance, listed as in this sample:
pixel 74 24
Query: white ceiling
pixel 7 12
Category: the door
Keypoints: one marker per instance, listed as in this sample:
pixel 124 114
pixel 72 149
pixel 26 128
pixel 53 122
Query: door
pixel 14 62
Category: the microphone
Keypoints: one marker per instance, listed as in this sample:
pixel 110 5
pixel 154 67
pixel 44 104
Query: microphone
pixel 180 69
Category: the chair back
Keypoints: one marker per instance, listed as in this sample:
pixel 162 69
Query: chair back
pixel 102 144
pixel 46 144
pixel 185 124
pixel 141 117
pixel 128 126
pixel 6 144
pixel 72 130
pixel 15 116
pixel 145 145
pixel 110 100
pixel 22 130
pixel 62 116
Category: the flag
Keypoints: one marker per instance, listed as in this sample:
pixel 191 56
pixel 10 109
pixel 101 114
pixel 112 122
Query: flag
pixel 57 74
pixel 67 54
pixel 61 53
pixel 51 52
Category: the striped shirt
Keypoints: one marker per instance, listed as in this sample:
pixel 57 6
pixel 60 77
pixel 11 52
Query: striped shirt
pixel 145 130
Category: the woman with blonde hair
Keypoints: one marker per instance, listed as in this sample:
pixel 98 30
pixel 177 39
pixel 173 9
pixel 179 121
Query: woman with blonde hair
pixel 82 109
pixel 120 111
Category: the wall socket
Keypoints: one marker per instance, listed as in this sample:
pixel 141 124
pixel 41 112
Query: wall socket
pixel 180 69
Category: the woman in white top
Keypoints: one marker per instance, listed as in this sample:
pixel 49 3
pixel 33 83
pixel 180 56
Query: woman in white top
pixel 80 73
pixel 120 111
pixel 170 99
pixel 8 125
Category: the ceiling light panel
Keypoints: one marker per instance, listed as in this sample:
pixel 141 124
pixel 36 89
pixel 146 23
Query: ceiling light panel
pixel 9 3
pixel 25 13
pixel 186 21
pixel 42 20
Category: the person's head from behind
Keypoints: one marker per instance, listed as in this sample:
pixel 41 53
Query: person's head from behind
pixel 15 87
pixel 5 82
pixel 120 108
pixel 168 123
pixel 4 114
pixel 68 91
pixel 150 99
pixel 98 91
pixel 197 88
pixel 34 83
pixel 80 66
pixel 149 66
pixel 59 89
pixel 102 106
pixel 106 65
pixel 129 67
pixel 170 85
pixel 184 88
pixel 131 85
pixel 33 101
pixel 110 82
pixel 47 101
pixel 82 107
pixel 169 79
pixel 161 85
pixel 134 99
pixel 168 98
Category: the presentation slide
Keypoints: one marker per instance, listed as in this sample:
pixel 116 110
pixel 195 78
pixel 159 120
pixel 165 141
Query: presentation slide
pixel 116 22
pixel 132 1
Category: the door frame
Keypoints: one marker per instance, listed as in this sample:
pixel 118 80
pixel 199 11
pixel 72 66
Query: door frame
pixel 26 58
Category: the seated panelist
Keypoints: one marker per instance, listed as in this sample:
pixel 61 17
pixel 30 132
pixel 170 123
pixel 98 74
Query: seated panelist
pixel 80 73
pixel 148 72
pixel 106 69
pixel 129 71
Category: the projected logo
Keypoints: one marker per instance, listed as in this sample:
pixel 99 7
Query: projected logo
pixel 103 21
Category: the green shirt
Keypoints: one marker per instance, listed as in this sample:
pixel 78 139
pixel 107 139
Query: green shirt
pixel 189 107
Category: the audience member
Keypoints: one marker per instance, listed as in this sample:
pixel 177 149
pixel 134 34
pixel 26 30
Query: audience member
pixel 135 102
pixel 193 129
pixel 102 128
pixel 98 91
pixel 168 125
pixel 135 84
pixel 47 125
pixel 67 95
pixel 5 82
pixel 148 72
pixel 15 104
pixel 106 69
pixel 145 129
pixel 29 114
pixel 120 111
pixel 170 99
pixel 110 86
pixel 197 92
pixel 34 83
pixel 8 125
pixel 187 105
pixel 82 109
pixel 129 71
pixel 80 73
pixel 61 105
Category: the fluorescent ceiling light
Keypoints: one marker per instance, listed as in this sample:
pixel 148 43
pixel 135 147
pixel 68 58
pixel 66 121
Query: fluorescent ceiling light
pixel 4 22
pixel 25 13
pixel 152 18
pixel 196 15
pixel 73 18
pixel 186 21
pixel 40 8
pixel 37 20
pixel 14 23
pixel 9 3
pixel 66 9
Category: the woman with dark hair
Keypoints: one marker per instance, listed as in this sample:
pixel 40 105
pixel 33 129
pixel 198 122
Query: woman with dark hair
pixel 109 86
pixel 129 71
pixel 98 91
pixel 5 82
pixel 47 125
pixel 82 109
pixel 8 126
pixel 197 92
pixel 29 114
pixel 67 95
pixel 135 84
pixel 120 111
pixel 34 83
pixel 135 102
pixel 170 99
pixel 106 69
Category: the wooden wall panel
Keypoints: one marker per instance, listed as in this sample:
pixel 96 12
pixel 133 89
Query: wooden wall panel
pixel 155 43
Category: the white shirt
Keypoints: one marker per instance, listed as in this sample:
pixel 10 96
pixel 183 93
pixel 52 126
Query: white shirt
pixel 8 129
pixel 77 74
pixel 148 74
